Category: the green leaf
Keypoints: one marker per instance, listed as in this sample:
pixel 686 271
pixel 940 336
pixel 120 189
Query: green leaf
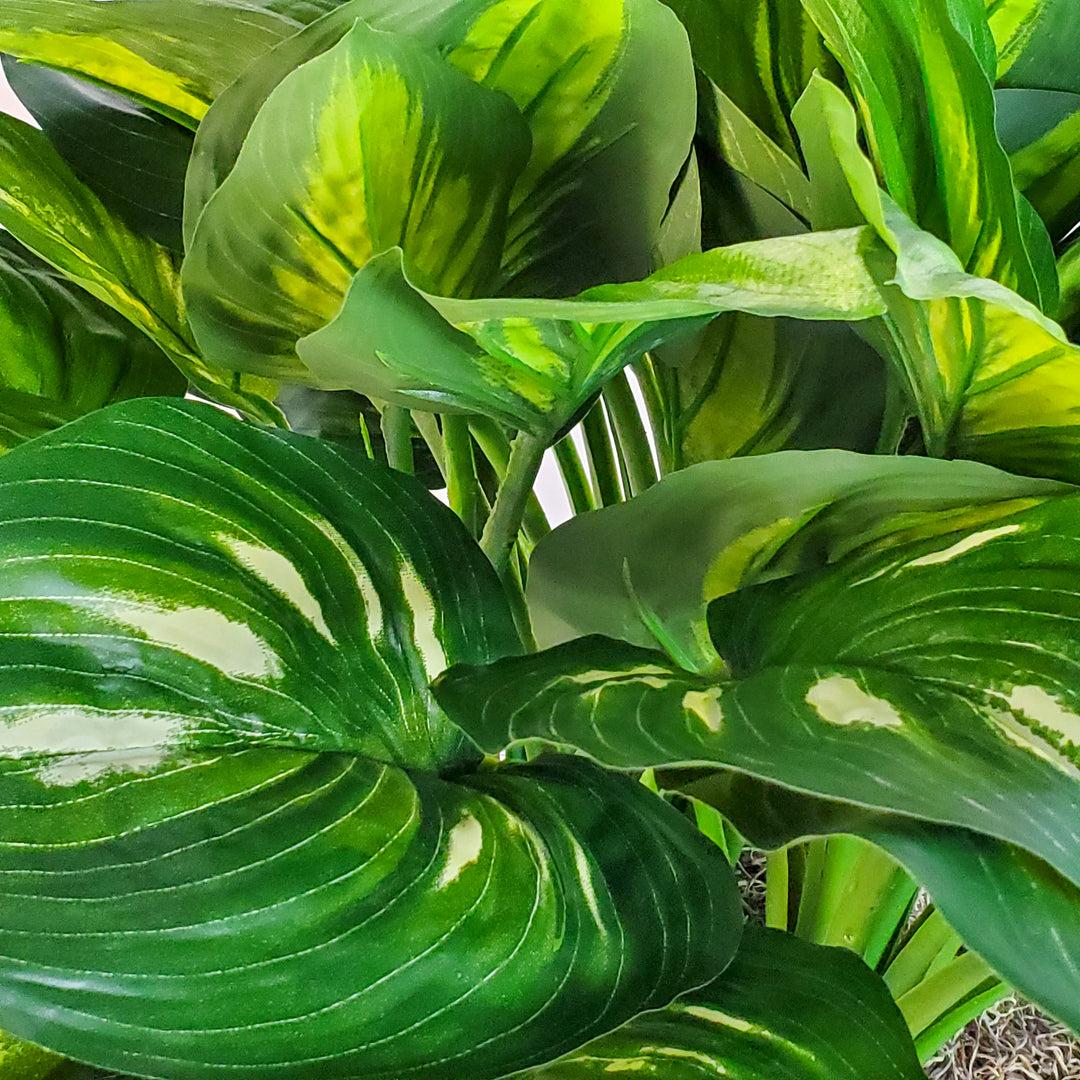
pixel 173 55
pixel 133 159
pixel 65 353
pixel 1041 128
pixel 760 55
pixel 376 143
pixel 978 883
pixel 217 681
pixel 928 670
pixel 989 376
pixel 54 214
pixel 718 526
pixel 608 92
pixel 759 385
pixel 1037 42
pixel 928 111
pixel 24 1061
pixel 534 363
pixel 783 1008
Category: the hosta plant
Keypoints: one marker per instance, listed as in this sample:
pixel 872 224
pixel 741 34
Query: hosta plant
pixel 307 771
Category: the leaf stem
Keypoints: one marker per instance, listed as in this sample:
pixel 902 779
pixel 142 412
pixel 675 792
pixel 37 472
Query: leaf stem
pixel 629 433
pixel 500 533
pixel 397 436
pixel 495 446
pixel 601 456
pixel 777 882
pixel 462 487
pixel 657 412
pixel 575 479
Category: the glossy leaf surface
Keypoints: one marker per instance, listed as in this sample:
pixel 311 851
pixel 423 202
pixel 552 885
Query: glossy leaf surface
pixel 207 758
pixel 132 158
pixel 928 110
pixel 54 214
pixel 534 363
pixel 65 353
pixel 395 149
pixel 783 1010
pixel 174 55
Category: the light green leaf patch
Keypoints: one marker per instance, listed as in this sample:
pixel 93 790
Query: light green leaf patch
pixel 396 149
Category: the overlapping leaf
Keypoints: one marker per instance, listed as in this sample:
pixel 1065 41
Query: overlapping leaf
pixel 783 1010
pixel 54 214
pixel 929 672
pixel 989 377
pixel 216 649
pixel 928 110
pixel 64 353
pixel 132 158
pixel 173 55
pixel 1036 43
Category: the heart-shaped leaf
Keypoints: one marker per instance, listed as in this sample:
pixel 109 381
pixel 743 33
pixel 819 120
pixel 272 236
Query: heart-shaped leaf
pixel 225 842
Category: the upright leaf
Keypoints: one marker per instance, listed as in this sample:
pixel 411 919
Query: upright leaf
pixel 55 215
pixel 64 353
pixel 222 680
pixel 396 148
pixel 928 110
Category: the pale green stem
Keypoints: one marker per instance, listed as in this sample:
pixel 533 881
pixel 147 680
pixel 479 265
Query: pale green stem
pixel 630 435
pixel 931 939
pixel 462 488
pixel 601 456
pixel 934 998
pixel 503 526
pixel 397 435
pixel 777 883
pixel 495 446
pixel 574 477
pixel 428 427
pixel 657 411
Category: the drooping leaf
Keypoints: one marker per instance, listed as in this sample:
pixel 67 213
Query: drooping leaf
pixel 977 882
pixel 783 1010
pixel 394 148
pixel 173 55
pixel 534 363
pixel 133 159
pixel 65 353
pixel 928 110
pixel 54 214
pixel 718 526
pixel 988 375
pixel 216 648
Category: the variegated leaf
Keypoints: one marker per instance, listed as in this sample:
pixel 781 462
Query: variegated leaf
pixel 224 844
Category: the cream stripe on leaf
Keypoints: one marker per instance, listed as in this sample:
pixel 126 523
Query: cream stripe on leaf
pixel 236 831
pixel 880 652
pixel 783 1008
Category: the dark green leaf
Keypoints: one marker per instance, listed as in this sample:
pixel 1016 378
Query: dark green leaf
pixel 216 640
pixel 133 159
pixel 65 353
pixel 783 1010
pixel 1037 42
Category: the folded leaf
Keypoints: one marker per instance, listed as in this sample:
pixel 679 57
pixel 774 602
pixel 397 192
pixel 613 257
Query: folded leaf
pixel 65 353
pixel 928 110
pixel 213 859
pixel 783 1008
pixel 55 215
pixel 929 671
pixel 977 883
pixel 534 363
pixel 173 55
pixel 133 159
pixel 376 143
pixel 648 569
pixel 989 376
